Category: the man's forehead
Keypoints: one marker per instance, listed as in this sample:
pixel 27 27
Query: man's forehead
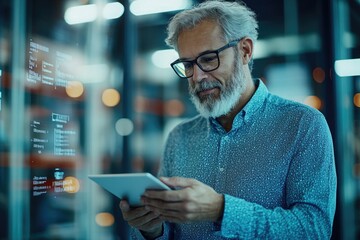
pixel 204 36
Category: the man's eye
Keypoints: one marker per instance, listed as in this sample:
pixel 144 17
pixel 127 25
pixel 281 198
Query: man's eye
pixel 207 58
pixel 187 65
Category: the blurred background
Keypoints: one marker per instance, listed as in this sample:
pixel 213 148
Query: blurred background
pixel 86 88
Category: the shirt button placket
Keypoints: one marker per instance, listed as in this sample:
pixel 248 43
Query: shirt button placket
pixel 223 147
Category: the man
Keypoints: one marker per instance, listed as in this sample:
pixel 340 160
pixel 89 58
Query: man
pixel 252 165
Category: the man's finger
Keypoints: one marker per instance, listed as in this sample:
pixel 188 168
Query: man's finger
pixel 129 214
pixel 168 196
pixel 124 206
pixel 143 220
pixel 179 181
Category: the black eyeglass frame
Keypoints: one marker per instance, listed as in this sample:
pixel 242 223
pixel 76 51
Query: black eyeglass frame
pixel 195 61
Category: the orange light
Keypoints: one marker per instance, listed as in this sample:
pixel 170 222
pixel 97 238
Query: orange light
pixel 313 101
pixel 74 89
pixel 318 75
pixel 71 184
pixel 140 104
pixel 110 97
pixel 357 100
pixel 104 219
pixel 174 108
pixel 356 170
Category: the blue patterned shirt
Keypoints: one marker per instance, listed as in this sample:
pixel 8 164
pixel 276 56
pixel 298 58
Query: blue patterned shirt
pixel 275 168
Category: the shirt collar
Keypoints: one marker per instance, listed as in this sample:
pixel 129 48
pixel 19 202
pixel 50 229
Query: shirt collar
pixel 256 100
pixel 249 109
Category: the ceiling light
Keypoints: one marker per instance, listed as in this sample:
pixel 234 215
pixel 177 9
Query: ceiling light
pixel 144 7
pixel 113 10
pixel 90 12
pixel 81 14
pixel 347 67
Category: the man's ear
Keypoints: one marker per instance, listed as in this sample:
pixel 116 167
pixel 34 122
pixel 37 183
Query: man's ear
pixel 245 48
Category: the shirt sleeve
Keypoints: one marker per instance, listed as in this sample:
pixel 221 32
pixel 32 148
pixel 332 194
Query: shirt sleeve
pixel 310 194
pixel 136 234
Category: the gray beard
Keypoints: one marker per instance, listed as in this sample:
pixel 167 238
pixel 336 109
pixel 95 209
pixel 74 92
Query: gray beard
pixel 230 94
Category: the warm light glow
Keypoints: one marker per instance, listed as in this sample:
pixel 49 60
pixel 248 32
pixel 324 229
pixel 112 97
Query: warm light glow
pixel 104 219
pixel 174 108
pixel 74 89
pixel 347 67
pixel 318 75
pixel 111 97
pixel 71 185
pixel 357 100
pixel 313 101
pixel 163 58
pixel 140 104
pixel 124 127
pixel 81 14
pixel 144 7
pixel 356 170
pixel 113 10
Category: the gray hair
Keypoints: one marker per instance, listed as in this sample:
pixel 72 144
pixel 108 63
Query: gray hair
pixel 234 18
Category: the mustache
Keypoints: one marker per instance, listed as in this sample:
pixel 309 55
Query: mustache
pixel 205 85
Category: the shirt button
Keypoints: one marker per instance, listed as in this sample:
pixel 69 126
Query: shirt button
pixel 221 169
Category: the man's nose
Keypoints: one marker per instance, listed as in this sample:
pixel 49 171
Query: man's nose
pixel 198 74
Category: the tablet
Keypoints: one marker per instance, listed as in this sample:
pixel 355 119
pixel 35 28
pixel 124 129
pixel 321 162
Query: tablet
pixel 129 186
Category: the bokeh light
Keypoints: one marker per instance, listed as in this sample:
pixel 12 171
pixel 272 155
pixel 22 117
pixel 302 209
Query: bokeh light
pixel 124 127
pixel 313 101
pixel 104 219
pixel 174 108
pixel 113 10
pixel 74 89
pixel 318 75
pixel 111 97
pixel 357 100
pixel 71 184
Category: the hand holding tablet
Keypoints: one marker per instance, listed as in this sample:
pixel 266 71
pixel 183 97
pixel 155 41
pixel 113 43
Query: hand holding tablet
pixel 129 186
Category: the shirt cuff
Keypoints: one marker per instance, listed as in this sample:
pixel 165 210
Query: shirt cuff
pixel 136 234
pixel 236 217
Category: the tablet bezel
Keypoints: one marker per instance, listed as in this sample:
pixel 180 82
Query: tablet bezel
pixel 129 186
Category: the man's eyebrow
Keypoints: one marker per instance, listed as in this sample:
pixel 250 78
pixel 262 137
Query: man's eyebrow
pixel 201 53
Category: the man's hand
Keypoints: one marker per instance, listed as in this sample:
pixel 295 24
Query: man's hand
pixel 146 221
pixel 194 201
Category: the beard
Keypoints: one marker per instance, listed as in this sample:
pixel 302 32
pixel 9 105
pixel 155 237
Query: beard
pixel 230 94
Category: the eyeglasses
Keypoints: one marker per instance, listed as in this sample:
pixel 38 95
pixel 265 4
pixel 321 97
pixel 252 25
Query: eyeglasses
pixel 207 62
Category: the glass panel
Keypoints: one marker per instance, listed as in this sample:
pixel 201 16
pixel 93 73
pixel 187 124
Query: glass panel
pixel 5 96
pixel 84 93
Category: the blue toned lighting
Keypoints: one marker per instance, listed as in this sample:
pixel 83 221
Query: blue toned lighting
pixel 144 7
pixel 81 14
pixel 163 58
pixel 124 126
pixel 90 12
pixel 0 91
pixel 348 67
pixel 113 10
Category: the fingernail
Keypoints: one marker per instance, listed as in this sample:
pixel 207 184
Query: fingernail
pixel 124 207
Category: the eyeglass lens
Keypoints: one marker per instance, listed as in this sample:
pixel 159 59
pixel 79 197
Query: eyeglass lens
pixel 206 62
